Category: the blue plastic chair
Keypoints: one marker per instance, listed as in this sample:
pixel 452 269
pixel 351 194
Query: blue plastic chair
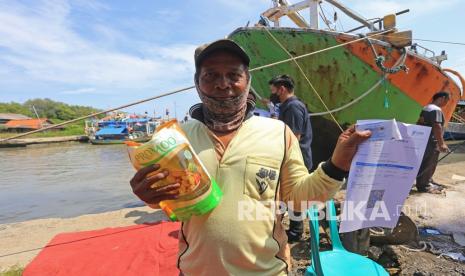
pixel 337 261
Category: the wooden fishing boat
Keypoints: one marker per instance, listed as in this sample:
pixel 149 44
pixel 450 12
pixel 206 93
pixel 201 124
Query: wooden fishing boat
pixel 110 132
pixel 455 130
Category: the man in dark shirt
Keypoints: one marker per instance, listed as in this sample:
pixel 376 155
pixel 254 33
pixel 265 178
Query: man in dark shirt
pixel 295 114
pixel 432 116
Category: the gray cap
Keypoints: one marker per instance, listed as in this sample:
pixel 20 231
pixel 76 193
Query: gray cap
pixel 223 44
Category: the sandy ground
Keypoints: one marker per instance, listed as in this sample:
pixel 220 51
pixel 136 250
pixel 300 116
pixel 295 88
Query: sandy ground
pixel 445 211
pixel 21 242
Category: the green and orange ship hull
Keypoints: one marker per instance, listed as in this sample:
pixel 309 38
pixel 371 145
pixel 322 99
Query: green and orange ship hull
pixel 347 78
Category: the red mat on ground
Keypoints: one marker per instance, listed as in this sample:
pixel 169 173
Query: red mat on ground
pixel 147 249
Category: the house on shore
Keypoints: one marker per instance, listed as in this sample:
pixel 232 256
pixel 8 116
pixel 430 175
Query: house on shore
pixel 6 117
pixel 20 123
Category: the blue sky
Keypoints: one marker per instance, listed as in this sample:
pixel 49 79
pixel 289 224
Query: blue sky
pixel 109 53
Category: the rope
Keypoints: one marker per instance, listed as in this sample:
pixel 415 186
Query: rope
pixel 452 151
pixel 428 245
pixel 306 78
pixel 181 90
pixel 338 20
pixel 438 41
pixel 318 51
pixel 458 118
pixel 377 230
pixel 325 19
pixel 428 40
pixel 352 102
pixel 380 59
pixel 424 246
pixel 442 158
pixel 380 63
pixel 399 61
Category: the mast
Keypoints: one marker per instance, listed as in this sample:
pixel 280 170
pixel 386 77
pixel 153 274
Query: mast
pixel 282 8
pixel 37 115
pixel 314 11
pixel 352 14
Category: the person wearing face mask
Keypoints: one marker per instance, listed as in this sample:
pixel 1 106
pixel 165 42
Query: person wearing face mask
pixel 256 162
pixel 295 115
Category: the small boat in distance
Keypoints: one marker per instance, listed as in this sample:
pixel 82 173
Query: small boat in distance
pixel 455 130
pixel 119 129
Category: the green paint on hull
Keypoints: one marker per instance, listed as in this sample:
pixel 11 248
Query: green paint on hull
pixel 337 75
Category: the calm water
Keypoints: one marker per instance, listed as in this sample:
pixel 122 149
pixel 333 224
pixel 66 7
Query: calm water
pixel 71 179
pixel 63 180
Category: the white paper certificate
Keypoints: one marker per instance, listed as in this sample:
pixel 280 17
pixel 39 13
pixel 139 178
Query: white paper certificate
pixel 382 173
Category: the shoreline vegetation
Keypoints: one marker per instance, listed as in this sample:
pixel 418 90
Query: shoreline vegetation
pixel 56 112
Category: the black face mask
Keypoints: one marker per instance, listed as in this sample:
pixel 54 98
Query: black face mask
pixel 274 98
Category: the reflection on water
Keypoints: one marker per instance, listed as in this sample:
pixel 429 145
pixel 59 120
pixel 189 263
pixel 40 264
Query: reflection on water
pixel 63 180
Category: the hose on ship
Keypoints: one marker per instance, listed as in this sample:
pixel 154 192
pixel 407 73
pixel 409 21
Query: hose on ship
pixel 380 59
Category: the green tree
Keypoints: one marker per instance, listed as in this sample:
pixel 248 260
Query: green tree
pixel 47 108
pixel 56 112
pixel 16 108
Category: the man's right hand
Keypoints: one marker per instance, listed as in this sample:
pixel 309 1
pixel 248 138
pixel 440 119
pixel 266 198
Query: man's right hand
pixel 143 180
pixel 443 148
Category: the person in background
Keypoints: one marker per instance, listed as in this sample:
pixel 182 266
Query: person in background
pixel 186 118
pixel 254 160
pixel 295 115
pixel 431 115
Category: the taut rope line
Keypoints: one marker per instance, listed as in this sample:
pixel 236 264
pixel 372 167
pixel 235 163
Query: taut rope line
pixel 318 51
pixel 306 78
pixel 183 89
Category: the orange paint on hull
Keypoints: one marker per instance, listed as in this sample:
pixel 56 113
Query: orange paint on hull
pixel 421 82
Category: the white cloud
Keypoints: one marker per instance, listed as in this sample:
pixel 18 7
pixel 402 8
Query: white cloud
pixel 179 52
pixel 80 91
pixel 107 34
pixel 41 43
pixel 90 5
pixel 245 4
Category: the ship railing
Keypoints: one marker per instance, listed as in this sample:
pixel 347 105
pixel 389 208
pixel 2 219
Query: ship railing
pixel 457 118
pixel 428 53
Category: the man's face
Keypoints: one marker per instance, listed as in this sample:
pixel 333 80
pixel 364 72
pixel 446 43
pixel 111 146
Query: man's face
pixel 223 76
pixel 274 90
pixel 443 101
pixel 278 91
